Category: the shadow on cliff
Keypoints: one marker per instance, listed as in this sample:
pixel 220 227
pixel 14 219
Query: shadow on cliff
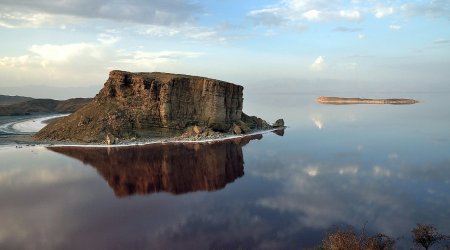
pixel 173 168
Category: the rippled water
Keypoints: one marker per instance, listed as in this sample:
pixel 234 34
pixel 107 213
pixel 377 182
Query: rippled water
pixel 381 167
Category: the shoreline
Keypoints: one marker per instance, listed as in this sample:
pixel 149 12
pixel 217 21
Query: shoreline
pixel 163 141
pixel 21 138
pixel 168 141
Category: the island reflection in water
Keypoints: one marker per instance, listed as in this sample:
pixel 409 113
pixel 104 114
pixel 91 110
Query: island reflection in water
pixel 174 168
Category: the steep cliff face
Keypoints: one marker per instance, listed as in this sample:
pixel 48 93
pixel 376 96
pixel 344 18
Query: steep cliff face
pixel 176 168
pixel 148 104
pixel 174 101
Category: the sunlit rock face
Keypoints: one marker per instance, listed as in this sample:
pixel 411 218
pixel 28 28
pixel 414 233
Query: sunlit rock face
pixel 173 168
pixel 130 103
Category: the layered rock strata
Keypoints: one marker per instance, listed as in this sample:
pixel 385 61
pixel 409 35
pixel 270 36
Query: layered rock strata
pixel 152 105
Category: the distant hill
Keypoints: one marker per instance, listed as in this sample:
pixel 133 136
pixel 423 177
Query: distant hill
pixel 34 106
pixel 8 100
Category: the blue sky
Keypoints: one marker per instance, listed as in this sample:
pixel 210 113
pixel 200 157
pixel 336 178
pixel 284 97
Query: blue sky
pixel 389 45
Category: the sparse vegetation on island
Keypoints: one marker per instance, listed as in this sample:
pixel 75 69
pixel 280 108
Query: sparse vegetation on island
pixel 424 236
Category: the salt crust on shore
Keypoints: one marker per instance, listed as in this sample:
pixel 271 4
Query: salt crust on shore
pixel 32 125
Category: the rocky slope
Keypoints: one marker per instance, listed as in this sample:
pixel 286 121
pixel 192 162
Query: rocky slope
pixel 341 100
pixel 155 104
pixel 36 106
pixel 174 168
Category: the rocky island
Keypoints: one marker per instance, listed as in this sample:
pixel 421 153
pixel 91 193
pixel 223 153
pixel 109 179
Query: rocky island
pixel 343 101
pixel 149 105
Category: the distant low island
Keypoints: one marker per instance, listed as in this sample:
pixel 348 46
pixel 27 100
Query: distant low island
pixel 138 106
pixel 344 101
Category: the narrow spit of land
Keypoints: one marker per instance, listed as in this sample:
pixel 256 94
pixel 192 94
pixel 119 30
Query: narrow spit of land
pixel 344 101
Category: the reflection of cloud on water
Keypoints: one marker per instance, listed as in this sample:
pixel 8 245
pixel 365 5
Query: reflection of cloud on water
pixel 393 156
pixel 349 193
pixel 311 170
pixel 380 171
pixel 18 171
pixel 352 170
pixel 318 122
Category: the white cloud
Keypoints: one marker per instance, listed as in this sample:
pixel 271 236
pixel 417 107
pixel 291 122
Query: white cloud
pixel 82 63
pixel 149 60
pixel 382 11
pixel 346 29
pixel 29 19
pixel 267 16
pixel 65 52
pixel 19 62
pixel 351 15
pixel 37 13
pixel 318 64
pixel 107 39
pixel 312 15
pixel 291 12
pixel 186 32
pixel 361 36
pixel 160 31
pixel 395 27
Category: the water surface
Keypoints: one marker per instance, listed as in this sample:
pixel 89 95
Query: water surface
pixel 381 167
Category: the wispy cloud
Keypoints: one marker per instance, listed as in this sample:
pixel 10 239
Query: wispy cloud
pixel 56 64
pixel 347 29
pixel 436 8
pixel 395 27
pixel 291 12
pixel 318 64
pixel 382 11
pixel 187 32
pixel 161 12
pixel 442 41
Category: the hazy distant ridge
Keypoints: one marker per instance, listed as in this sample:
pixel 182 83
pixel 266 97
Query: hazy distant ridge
pixel 8 100
pixel 19 105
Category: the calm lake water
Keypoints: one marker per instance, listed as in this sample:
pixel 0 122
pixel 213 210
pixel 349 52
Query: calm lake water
pixel 381 167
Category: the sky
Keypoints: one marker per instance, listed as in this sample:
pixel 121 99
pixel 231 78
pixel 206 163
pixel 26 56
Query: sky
pixel 66 48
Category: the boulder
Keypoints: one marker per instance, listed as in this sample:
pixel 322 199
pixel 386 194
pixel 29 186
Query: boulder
pixel 236 129
pixel 278 123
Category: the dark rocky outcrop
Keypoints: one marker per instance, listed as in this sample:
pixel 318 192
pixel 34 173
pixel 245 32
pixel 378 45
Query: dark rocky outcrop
pixel 278 123
pixel 155 104
pixel 174 168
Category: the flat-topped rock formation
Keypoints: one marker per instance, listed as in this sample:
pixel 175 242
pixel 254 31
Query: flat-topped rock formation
pixel 343 101
pixel 137 105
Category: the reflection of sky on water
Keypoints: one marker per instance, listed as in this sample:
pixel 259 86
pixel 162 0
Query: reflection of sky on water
pixel 387 166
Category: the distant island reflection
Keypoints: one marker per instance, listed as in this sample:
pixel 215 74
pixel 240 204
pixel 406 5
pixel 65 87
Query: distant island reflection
pixel 174 168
